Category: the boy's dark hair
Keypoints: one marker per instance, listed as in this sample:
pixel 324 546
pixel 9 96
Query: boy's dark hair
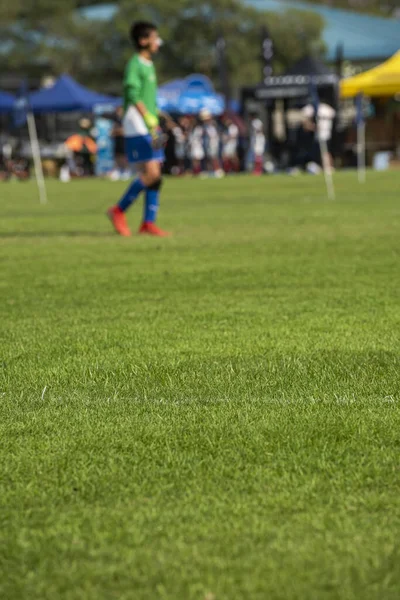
pixel 140 30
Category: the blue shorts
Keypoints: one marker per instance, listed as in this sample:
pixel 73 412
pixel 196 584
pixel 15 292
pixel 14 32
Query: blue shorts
pixel 140 149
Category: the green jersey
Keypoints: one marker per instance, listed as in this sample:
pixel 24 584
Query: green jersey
pixel 140 84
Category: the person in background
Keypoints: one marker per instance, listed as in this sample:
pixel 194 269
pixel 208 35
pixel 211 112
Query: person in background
pixel 169 166
pixel 230 146
pixel 257 144
pixel 4 172
pixel 323 131
pixel 211 144
pixel 13 164
pixel 121 170
pixel 196 147
pixel 5 155
pixel 82 148
pixel 144 140
pixel 186 125
pixel 180 132
pixel 20 169
pixel 303 148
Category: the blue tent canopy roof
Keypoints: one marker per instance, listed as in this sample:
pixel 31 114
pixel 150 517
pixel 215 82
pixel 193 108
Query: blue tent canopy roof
pixel 6 102
pixel 67 95
pixel 190 96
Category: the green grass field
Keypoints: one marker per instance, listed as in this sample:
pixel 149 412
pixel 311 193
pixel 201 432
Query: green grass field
pixel 213 416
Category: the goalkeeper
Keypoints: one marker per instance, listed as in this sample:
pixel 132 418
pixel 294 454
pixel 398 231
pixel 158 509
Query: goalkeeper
pixel 142 132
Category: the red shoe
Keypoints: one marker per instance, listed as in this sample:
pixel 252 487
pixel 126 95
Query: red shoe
pixel 152 229
pixel 118 219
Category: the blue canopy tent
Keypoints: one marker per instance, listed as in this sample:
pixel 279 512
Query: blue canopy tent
pixel 169 94
pixel 67 95
pixel 190 96
pixel 6 102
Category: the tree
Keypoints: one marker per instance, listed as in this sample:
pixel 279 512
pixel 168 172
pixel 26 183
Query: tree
pixel 56 37
pixel 52 37
pixel 190 30
pixel 385 7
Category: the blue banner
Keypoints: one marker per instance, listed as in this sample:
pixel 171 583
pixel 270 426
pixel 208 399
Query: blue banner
pixel 105 158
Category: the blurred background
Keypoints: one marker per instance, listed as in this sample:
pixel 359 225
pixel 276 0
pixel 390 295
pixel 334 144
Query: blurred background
pixel 257 83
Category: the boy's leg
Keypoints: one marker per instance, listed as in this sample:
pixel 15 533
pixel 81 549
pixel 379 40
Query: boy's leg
pixel 139 151
pixel 152 176
pixel 116 213
pixel 131 194
pixel 149 179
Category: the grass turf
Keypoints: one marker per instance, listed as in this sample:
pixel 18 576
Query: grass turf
pixel 214 415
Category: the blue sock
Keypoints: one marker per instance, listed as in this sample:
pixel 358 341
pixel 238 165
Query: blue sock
pixel 151 205
pixel 131 194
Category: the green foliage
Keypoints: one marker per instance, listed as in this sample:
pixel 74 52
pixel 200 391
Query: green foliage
pixel 385 7
pixel 96 52
pixel 190 30
pixel 214 415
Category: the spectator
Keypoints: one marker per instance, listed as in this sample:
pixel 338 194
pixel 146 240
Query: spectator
pixel 4 170
pixel 180 132
pixel 170 162
pixel 303 151
pixel 121 170
pixel 196 147
pixel 257 144
pixel 326 116
pixel 230 146
pixel 211 140
pixel 82 148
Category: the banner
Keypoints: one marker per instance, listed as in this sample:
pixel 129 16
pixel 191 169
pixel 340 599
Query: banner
pixel 105 157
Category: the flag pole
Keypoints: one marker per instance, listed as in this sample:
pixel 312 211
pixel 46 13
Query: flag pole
pixel 36 157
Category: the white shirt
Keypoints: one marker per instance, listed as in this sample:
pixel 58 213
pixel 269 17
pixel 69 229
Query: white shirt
pixel 231 135
pixel 211 134
pixel 257 137
pixel 196 143
pixel 196 136
pixel 180 142
pixel 178 135
pixel 230 140
pixel 133 123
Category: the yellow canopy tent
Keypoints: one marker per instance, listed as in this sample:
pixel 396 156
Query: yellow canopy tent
pixel 381 81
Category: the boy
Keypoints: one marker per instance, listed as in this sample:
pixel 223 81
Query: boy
pixel 142 133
